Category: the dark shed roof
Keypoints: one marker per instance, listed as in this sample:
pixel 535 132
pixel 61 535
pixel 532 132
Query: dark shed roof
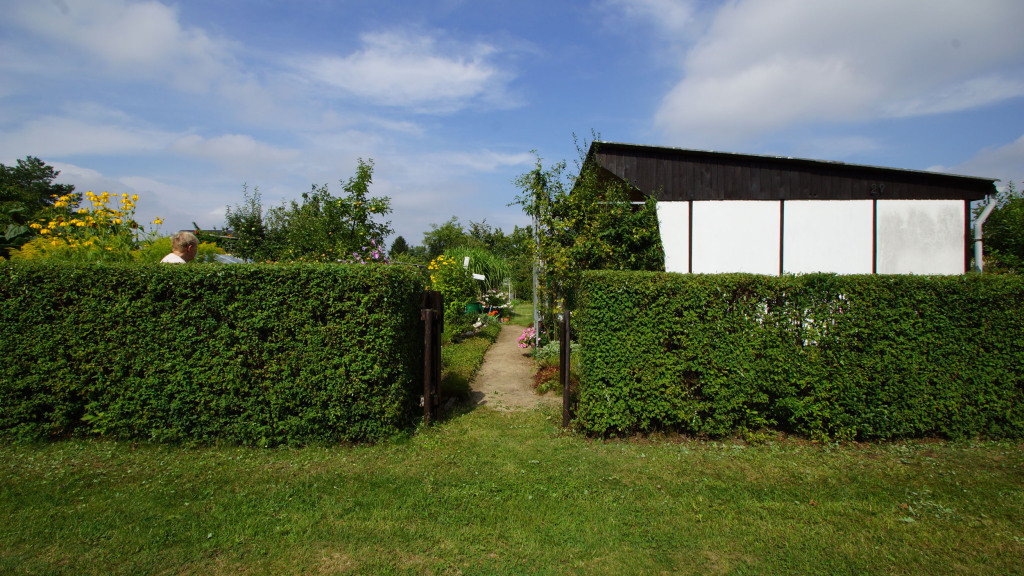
pixel 681 174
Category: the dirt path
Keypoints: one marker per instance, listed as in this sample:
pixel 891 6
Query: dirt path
pixel 504 381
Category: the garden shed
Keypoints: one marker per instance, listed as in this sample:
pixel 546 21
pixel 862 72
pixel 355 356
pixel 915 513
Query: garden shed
pixel 723 212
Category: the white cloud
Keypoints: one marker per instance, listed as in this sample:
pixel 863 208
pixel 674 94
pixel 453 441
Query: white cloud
pixel 485 160
pixel 410 70
pixel 235 150
pixel 1004 162
pixel 52 136
pixel 672 16
pixel 126 38
pixel 768 64
pixel 973 93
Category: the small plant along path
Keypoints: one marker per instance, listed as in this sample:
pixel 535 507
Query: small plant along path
pixel 505 380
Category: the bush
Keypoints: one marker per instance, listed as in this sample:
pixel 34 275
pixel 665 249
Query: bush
pixel 821 355
pixel 448 277
pixel 255 354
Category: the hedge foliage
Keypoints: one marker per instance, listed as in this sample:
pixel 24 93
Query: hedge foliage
pixel 253 354
pixel 867 357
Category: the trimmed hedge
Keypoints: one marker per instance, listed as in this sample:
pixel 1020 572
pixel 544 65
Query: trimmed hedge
pixel 253 354
pixel 869 357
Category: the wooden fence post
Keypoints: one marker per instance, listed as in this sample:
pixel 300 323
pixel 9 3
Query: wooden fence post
pixel 432 314
pixel 563 365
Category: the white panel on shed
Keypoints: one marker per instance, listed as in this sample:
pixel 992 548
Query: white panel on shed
pixel 736 236
pixel 921 237
pixel 674 225
pixel 827 236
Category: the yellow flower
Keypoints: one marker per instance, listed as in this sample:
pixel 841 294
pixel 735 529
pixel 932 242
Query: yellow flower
pixel 157 221
pixel 116 221
pixel 35 225
pixel 135 197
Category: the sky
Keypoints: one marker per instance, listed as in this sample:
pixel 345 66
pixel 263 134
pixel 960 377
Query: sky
pixel 188 103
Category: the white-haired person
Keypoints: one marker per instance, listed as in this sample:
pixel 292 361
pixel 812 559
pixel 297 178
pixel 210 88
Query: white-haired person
pixel 184 246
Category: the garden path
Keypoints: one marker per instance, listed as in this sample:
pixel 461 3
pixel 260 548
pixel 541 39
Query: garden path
pixel 505 380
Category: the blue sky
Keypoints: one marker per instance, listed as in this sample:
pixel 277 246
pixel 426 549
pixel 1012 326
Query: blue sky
pixel 184 102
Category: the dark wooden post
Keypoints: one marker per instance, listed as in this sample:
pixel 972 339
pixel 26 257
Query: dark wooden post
pixel 432 314
pixel 563 365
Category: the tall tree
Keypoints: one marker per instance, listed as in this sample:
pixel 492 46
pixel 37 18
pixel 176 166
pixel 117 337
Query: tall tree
pixel 247 233
pixel 27 193
pixel 585 222
pixel 399 246
pixel 320 227
pixel 449 235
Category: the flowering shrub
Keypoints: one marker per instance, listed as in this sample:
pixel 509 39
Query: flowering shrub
pixel 528 338
pixel 368 254
pixel 100 232
pixel 498 303
pixel 448 277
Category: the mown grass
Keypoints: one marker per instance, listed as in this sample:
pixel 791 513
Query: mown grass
pixel 522 314
pixel 486 492
pixel 461 359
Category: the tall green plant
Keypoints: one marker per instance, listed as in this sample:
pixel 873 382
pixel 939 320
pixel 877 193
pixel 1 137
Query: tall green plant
pixel 585 222
pixel 318 228
pixel 248 236
pixel 482 261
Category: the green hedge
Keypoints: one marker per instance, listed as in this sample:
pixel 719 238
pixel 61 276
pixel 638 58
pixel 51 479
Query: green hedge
pixel 821 355
pixel 254 354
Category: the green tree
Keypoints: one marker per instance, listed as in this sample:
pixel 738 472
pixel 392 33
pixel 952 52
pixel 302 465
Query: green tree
pixel 449 235
pixel 27 194
pixel 586 222
pixel 399 246
pixel 247 235
pixel 1004 232
pixel 318 228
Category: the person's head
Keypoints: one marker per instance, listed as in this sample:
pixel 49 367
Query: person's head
pixel 185 244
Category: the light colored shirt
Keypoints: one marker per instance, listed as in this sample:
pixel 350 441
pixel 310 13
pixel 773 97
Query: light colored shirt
pixel 172 258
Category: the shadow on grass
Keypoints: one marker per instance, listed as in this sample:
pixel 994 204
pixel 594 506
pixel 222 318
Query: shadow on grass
pixel 460 361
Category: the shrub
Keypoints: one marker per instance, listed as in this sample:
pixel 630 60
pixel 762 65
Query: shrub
pixel 821 355
pixel 255 354
pixel 448 277
pixel 97 233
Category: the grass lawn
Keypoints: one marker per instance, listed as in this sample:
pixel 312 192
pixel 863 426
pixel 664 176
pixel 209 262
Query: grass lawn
pixel 486 492
pixel 460 362
pixel 494 493
pixel 522 314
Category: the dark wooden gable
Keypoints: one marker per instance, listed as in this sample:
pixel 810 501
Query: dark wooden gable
pixel 676 174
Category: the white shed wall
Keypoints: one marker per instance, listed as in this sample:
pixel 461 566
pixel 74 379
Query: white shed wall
pixel 921 236
pixel 674 224
pixel 736 236
pixel 827 236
